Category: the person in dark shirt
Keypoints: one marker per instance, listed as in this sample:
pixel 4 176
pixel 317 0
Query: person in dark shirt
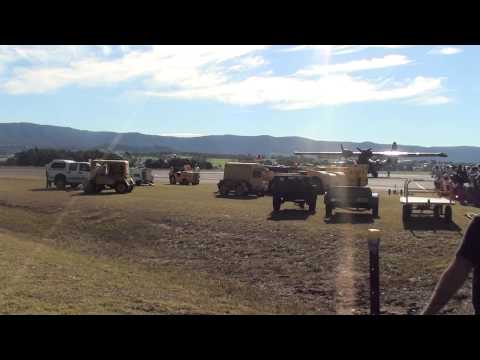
pixel 466 260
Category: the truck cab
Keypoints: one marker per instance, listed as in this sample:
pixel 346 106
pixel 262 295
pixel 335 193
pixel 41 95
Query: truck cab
pixel 64 173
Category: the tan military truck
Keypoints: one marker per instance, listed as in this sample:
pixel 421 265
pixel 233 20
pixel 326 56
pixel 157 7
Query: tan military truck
pixel 244 179
pixel 186 176
pixel 325 177
pixel 109 174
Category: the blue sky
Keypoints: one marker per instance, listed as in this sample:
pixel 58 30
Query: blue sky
pixel 419 95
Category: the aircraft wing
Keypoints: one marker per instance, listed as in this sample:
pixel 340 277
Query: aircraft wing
pixel 394 153
pixel 326 153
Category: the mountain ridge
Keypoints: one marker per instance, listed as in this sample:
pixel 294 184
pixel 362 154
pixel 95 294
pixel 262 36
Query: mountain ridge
pixel 21 135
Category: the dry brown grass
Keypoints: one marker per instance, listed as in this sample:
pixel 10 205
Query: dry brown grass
pixel 177 249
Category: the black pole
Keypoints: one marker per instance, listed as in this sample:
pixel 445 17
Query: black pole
pixel 373 248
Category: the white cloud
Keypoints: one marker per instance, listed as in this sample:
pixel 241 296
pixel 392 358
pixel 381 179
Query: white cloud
pixel 343 49
pixel 218 73
pixel 179 66
pixel 357 65
pixel 433 100
pixel 289 93
pixel 249 62
pixel 446 51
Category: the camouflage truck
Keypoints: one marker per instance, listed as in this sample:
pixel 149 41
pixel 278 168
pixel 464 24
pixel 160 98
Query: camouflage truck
pixel 325 177
pixel 109 174
pixel 244 179
pixel 186 176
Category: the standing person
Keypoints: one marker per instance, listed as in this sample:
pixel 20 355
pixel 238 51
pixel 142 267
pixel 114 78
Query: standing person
pixel 466 259
pixel 49 183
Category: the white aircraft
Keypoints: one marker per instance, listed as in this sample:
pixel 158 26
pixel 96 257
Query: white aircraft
pixel 374 159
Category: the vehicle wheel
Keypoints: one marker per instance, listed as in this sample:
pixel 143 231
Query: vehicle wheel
pixel 121 187
pixel 312 206
pixel 240 190
pixel 277 203
pixel 223 189
pixel 172 180
pixel 436 212
pixel 89 187
pixel 375 210
pixel 130 188
pixel 448 214
pixel 60 182
pixel 328 210
pixel 406 213
pixel 319 185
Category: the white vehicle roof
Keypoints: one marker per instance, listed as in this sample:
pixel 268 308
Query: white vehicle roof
pixel 62 160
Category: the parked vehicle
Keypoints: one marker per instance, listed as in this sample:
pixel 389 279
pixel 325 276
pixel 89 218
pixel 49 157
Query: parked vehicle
pixel 109 174
pixel 294 187
pixel 63 173
pixel 244 179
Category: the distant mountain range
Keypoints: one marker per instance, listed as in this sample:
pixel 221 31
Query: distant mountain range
pixel 18 136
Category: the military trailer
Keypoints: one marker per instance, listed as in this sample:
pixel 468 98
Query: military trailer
pixel 142 176
pixel 243 179
pixel 437 206
pixel 109 174
pixel 294 187
pixel 353 197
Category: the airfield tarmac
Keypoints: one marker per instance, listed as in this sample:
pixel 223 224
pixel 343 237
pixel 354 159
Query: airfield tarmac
pixel 382 183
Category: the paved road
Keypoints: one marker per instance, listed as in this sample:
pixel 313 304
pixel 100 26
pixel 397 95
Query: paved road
pixel 382 183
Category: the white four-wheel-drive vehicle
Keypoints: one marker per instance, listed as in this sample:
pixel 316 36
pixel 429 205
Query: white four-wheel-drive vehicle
pixel 62 173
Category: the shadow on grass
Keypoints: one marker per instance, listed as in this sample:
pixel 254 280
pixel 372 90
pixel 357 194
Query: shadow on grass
pixel 289 214
pixel 235 197
pixel 103 193
pixel 350 218
pixel 54 189
pixel 429 223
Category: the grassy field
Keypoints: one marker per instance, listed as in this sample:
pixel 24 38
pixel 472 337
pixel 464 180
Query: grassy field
pixel 178 249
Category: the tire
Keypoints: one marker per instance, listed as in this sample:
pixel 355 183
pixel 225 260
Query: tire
pixel 312 206
pixel 277 203
pixel 60 182
pixel 328 210
pixel 172 180
pixel 240 190
pixel 406 213
pixel 319 185
pixel 130 188
pixel 223 189
pixel 448 214
pixel 89 188
pixel 375 208
pixel 121 187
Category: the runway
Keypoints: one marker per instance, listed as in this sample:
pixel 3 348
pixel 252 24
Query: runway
pixel 382 183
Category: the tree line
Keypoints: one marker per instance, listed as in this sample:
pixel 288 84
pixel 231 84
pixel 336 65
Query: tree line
pixel 41 157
